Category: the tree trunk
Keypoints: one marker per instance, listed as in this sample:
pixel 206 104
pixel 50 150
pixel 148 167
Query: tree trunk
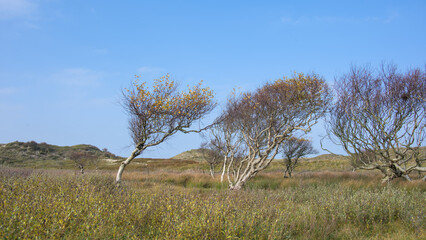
pixel 223 169
pixel 389 176
pixel 237 186
pixel 81 168
pixel 288 168
pixel 407 177
pixel 285 174
pixel 386 179
pixel 212 171
pixel 132 156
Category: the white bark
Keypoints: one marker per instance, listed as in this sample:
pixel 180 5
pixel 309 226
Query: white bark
pixel 212 171
pixel 132 156
pixel 407 177
pixel 420 169
pixel 223 169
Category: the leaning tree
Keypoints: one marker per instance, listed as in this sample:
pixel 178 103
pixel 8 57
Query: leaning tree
pixel 159 112
pixel 379 119
pixel 265 118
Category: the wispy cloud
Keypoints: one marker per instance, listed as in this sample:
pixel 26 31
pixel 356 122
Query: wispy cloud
pixel 78 77
pixel 150 70
pixel 10 9
pixel 390 17
pixel 7 91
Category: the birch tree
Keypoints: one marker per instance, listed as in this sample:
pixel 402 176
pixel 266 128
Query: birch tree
pixel 158 112
pixel 265 118
pixel 379 119
pixel 223 138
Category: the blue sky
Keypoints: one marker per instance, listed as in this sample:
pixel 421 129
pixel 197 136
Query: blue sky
pixel 63 63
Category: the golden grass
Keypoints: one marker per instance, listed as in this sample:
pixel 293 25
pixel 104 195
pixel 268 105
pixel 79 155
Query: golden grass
pixel 191 205
pixel 177 199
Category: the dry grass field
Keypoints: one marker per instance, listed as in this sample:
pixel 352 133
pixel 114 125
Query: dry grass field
pixel 177 199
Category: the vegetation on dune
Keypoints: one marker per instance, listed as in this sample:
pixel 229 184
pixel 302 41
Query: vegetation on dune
pixel 33 154
pixel 193 154
pixel 67 206
pixel 192 160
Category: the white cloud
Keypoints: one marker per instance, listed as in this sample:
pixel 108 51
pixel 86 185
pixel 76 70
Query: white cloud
pixel 390 17
pixel 16 8
pixel 150 70
pixel 78 77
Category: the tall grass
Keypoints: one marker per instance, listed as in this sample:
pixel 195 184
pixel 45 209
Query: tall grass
pixel 192 206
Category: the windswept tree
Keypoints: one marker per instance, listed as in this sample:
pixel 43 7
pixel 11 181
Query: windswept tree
pixel 379 119
pixel 267 117
pixel 292 150
pixel 159 112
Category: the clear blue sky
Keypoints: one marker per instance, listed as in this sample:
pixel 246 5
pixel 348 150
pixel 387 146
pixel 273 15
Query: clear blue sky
pixel 63 63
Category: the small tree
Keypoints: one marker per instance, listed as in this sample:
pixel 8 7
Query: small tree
pixel 379 119
pixel 264 119
pixel 159 113
pixel 81 159
pixel 293 149
pixel 212 155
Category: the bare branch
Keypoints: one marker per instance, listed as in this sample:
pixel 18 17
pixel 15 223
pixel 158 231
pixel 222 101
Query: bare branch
pixel 379 118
